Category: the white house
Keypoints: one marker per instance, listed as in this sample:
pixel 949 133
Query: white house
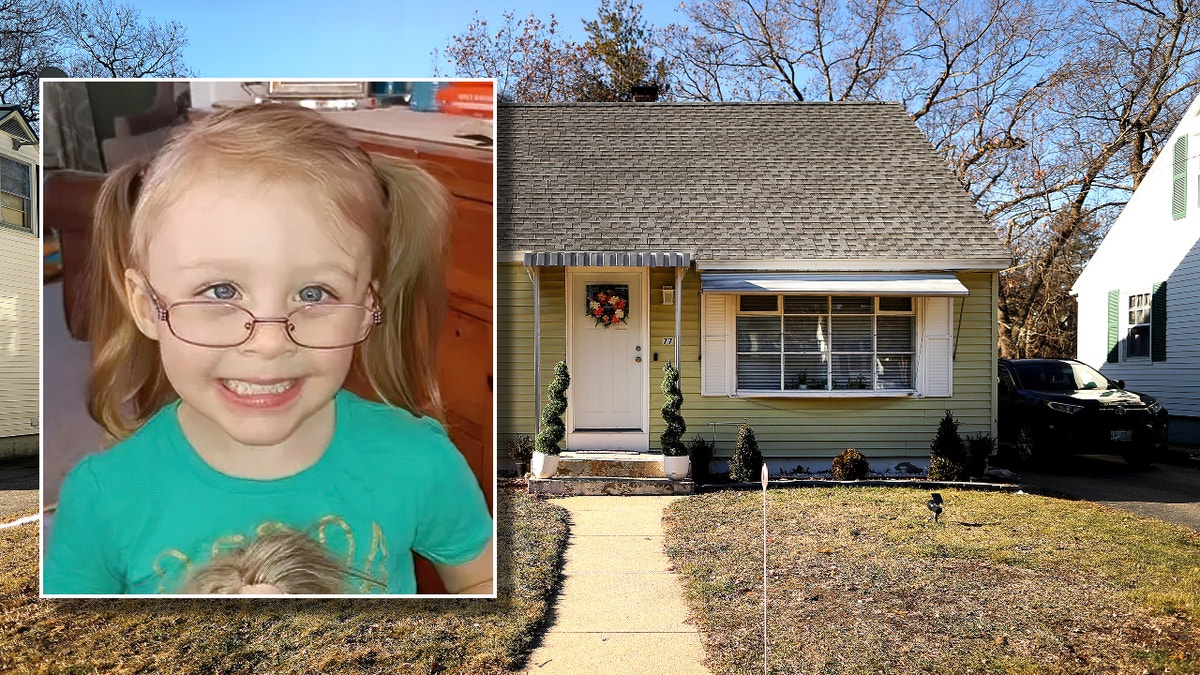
pixel 1139 296
pixel 20 287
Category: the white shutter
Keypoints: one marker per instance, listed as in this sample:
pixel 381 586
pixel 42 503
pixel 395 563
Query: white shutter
pixel 715 340
pixel 937 347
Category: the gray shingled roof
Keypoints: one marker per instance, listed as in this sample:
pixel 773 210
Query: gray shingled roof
pixel 731 181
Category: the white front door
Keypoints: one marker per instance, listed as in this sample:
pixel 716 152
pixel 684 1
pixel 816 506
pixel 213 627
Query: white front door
pixel 608 355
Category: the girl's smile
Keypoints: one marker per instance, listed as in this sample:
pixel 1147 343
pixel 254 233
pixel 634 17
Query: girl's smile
pixel 261 395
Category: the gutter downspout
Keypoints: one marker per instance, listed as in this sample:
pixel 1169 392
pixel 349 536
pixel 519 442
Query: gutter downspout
pixel 678 312
pixel 534 278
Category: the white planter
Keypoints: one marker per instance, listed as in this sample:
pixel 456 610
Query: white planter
pixel 544 466
pixel 676 468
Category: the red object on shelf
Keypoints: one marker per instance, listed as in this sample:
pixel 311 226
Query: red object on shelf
pixel 473 99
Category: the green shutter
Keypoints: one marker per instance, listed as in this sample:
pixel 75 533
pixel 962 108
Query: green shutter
pixel 1158 323
pixel 1114 320
pixel 1179 187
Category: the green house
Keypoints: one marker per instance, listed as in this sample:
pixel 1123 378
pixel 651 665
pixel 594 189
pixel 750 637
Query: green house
pixel 814 268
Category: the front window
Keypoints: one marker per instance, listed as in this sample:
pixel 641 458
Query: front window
pixel 802 343
pixel 15 193
pixel 1137 341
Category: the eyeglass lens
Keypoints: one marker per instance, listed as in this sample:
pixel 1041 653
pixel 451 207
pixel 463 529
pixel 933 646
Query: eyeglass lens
pixel 213 324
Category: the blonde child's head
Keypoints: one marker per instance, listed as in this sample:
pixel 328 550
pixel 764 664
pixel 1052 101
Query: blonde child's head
pixel 394 209
pixel 282 562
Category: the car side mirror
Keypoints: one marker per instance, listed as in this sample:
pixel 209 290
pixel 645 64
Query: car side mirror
pixel 1119 384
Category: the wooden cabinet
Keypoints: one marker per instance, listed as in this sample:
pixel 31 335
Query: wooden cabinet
pixel 466 345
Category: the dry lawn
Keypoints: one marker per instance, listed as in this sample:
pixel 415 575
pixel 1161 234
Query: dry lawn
pixel 861 580
pixel 280 636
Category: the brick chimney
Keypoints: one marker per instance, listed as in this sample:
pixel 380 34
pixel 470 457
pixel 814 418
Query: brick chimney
pixel 644 93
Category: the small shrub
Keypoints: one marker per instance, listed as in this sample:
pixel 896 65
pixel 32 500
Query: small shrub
pixel 700 451
pixel 947 452
pixel 979 448
pixel 746 463
pixel 671 439
pixel 553 428
pixel 850 464
pixel 520 449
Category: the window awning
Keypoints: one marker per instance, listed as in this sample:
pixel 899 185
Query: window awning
pixel 608 259
pixel 920 284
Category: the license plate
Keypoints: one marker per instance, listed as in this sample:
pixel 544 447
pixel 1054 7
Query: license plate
pixel 1121 435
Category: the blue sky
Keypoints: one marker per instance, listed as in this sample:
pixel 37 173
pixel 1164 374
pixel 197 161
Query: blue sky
pixel 374 39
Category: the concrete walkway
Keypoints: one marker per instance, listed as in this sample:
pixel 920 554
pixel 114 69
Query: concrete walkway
pixel 621 610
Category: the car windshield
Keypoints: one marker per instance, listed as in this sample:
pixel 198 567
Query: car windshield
pixel 1059 376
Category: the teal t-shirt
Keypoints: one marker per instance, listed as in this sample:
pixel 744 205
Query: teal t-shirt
pixel 140 517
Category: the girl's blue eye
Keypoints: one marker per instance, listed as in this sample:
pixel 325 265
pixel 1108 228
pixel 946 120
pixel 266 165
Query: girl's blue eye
pixel 221 292
pixel 313 294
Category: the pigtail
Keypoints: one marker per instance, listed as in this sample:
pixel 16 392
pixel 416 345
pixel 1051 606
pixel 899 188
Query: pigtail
pixel 400 361
pixel 127 384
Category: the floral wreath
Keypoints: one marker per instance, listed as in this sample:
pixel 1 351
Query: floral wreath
pixel 606 306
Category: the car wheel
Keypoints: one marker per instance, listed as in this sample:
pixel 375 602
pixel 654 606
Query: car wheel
pixel 1025 446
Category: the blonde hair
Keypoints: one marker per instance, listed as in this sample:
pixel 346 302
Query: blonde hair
pixel 402 211
pixel 289 561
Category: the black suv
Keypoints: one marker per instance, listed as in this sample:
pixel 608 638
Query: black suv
pixel 1055 407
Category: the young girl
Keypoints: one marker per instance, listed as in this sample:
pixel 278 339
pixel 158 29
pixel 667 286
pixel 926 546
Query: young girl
pixel 260 261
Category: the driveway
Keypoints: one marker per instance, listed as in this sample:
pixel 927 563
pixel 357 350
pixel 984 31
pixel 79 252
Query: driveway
pixel 1165 491
pixel 18 487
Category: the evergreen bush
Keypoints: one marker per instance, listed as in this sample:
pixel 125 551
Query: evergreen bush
pixel 947 452
pixel 979 448
pixel 672 437
pixel 746 463
pixel 850 464
pixel 700 451
pixel 553 428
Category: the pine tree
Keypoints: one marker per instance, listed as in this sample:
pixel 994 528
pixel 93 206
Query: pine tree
pixel 672 437
pixel 947 452
pixel 746 462
pixel 553 429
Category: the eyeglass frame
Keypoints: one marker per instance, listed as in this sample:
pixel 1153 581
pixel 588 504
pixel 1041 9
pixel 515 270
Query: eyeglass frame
pixel 164 315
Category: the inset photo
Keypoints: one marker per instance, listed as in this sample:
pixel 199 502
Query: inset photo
pixel 268 338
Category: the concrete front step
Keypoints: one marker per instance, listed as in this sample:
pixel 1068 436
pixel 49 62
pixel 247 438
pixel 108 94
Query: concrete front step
pixel 610 464
pixel 613 485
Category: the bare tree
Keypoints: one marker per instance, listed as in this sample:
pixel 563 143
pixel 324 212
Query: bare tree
pixel 1048 113
pixel 531 60
pixel 113 40
pixel 88 38
pixel 29 42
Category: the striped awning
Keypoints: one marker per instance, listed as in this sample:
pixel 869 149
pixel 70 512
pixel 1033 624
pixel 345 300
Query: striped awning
pixel 919 284
pixel 608 259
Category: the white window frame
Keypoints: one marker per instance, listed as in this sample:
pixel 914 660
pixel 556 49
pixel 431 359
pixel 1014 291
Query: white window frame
pixel 31 211
pixel 934 358
pixel 1127 325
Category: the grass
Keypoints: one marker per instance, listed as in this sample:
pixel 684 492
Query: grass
pixel 281 636
pixel 861 580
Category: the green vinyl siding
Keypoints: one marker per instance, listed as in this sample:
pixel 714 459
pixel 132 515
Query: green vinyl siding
pixel 791 428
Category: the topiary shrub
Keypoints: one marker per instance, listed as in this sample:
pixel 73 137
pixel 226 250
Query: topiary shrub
pixel 700 451
pixel 553 429
pixel 672 437
pixel 979 448
pixel 947 452
pixel 746 463
pixel 850 464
